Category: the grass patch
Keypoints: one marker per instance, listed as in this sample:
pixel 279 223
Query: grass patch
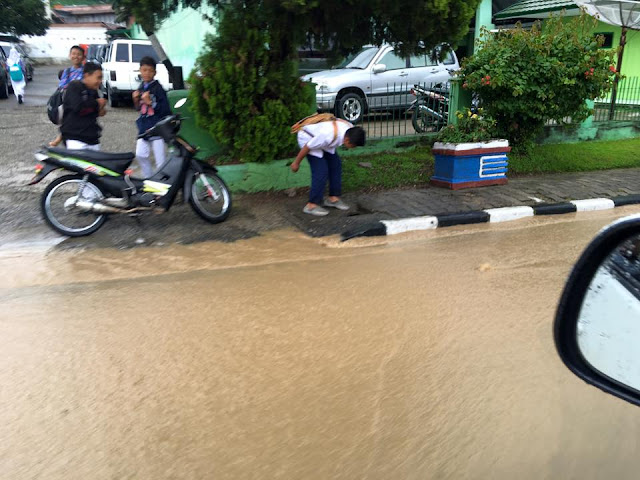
pixel 409 167
pixel 577 157
pixel 413 166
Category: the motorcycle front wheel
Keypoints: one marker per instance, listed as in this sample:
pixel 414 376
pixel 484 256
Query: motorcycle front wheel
pixel 210 197
pixel 59 210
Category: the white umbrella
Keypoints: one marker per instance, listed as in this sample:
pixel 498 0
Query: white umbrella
pixel 623 13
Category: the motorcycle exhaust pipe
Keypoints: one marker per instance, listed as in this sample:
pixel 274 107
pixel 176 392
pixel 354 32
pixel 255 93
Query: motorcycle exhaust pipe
pixel 95 207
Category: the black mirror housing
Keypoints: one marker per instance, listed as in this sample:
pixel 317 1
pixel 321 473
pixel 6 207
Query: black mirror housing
pixel 566 333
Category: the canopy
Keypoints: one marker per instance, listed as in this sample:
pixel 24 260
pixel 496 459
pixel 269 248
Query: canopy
pixel 624 13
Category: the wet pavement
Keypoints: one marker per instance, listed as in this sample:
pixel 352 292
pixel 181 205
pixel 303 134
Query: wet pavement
pixel 286 357
pixel 24 128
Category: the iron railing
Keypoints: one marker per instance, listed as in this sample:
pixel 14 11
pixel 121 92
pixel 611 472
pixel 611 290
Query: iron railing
pixel 626 106
pixel 387 113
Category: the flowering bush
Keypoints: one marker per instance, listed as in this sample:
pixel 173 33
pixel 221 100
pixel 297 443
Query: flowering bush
pixel 526 77
pixel 471 127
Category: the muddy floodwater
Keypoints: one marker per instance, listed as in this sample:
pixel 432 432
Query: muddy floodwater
pixel 285 357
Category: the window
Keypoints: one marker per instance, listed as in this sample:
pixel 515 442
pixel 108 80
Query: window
pixel 422 61
pixel 392 61
pixel 138 51
pixel 122 52
pixel 608 39
pixel 449 60
pixel 418 61
pixel 363 58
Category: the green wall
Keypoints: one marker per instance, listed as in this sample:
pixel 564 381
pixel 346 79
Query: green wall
pixel 631 58
pixel 182 36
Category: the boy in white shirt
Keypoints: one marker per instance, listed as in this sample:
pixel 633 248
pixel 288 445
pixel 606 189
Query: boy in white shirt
pixel 318 142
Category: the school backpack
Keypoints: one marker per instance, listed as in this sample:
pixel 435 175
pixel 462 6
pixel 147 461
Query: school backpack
pixel 312 120
pixel 55 109
pixel 15 72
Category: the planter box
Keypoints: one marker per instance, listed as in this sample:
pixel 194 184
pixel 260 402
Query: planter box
pixel 466 165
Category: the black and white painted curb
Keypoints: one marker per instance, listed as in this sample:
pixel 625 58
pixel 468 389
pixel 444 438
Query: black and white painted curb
pixel 505 214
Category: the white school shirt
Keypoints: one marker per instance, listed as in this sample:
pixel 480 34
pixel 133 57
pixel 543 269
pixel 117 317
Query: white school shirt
pixel 319 137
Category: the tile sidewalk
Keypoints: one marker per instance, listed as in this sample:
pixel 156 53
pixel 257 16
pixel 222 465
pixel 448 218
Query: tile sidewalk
pixel 530 190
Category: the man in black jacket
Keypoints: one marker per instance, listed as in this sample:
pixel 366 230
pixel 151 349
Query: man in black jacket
pixel 82 107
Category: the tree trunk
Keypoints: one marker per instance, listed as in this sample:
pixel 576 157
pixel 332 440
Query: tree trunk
pixel 178 83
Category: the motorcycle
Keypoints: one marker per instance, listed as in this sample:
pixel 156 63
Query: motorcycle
pixel 430 108
pixel 100 184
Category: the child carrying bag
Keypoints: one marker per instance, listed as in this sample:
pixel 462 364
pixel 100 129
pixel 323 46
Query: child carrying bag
pixel 15 72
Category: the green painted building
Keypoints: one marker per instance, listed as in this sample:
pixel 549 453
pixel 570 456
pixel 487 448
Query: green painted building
pixel 182 35
pixel 527 11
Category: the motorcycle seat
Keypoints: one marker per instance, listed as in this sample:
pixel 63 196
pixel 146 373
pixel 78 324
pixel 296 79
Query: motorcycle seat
pixel 117 162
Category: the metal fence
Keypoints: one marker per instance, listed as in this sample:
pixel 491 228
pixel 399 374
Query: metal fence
pixel 404 109
pixel 625 105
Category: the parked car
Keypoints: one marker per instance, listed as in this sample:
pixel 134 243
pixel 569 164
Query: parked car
pixel 24 53
pixel 378 79
pixel 121 69
pixel 95 52
pixel 5 81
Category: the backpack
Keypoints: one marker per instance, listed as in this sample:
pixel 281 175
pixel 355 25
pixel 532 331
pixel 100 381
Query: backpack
pixel 311 120
pixel 318 118
pixel 55 109
pixel 15 72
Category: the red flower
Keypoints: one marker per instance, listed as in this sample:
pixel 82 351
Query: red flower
pixel 591 69
pixel 612 68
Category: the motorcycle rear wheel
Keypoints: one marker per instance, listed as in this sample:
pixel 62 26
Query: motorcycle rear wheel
pixel 423 121
pixel 59 211
pixel 214 204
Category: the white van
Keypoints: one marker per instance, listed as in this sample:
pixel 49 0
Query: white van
pixel 121 69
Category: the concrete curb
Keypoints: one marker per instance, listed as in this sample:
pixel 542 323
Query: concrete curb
pixel 491 215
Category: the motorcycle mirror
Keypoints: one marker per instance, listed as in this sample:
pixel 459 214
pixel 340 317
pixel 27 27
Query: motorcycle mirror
pixel 597 325
pixel 180 103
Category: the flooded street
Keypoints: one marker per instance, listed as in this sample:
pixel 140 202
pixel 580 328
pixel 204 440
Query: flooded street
pixel 286 357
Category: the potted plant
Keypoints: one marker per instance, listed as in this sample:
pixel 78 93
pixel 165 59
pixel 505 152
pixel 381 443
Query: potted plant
pixel 468 155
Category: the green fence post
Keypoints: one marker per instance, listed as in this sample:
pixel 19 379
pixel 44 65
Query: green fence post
pixel 459 99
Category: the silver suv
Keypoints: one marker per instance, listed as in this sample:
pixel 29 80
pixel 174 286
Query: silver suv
pixel 378 79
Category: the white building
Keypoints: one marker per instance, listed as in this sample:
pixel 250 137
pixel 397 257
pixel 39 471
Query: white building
pixel 72 25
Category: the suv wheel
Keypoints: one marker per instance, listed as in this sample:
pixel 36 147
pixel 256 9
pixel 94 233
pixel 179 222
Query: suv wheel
pixel 350 107
pixel 4 88
pixel 113 101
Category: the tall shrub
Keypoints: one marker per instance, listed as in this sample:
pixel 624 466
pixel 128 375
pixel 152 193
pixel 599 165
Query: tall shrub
pixel 526 77
pixel 243 98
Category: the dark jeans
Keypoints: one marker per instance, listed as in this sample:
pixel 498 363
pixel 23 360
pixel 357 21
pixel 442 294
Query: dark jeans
pixel 329 167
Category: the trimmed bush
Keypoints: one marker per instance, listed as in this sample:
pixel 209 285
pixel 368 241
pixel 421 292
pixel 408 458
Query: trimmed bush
pixel 242 97
pixel 526 77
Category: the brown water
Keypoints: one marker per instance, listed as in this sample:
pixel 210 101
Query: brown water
pixel 426 356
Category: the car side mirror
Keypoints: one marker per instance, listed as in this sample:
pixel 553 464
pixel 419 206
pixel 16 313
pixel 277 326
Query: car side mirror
pixel 379 68
pixel 597 325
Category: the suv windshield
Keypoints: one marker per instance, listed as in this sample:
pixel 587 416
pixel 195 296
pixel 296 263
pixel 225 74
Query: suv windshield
pixel 363 59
